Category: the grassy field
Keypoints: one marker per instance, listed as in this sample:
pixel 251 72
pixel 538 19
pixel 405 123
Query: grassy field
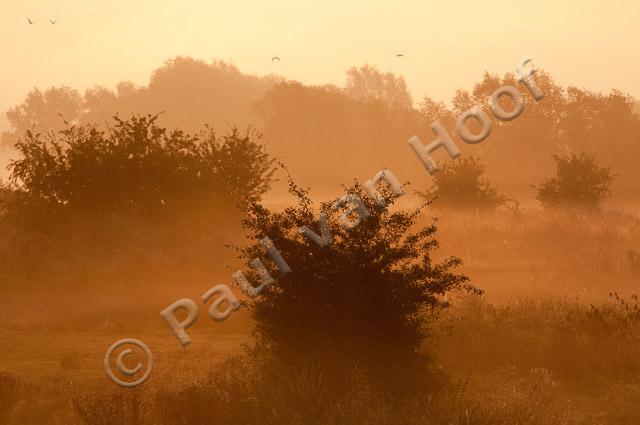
pixel 545 343
pixel 548 361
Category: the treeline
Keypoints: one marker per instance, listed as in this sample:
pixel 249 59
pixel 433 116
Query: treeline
pixel 187 94
pixel 334 135
pixel 328 135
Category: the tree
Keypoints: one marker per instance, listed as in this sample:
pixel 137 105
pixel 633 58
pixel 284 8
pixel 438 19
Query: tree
pixel 326 136
pixel 460 184
pixel 43 111
pixel 368 84
pixel 579 182
pixel 361 300
pixel 190 92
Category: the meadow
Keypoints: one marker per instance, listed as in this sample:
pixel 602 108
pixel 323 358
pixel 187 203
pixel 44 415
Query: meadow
pixel 553 339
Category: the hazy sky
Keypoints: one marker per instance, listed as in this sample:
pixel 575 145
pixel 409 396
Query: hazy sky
pixel 446 44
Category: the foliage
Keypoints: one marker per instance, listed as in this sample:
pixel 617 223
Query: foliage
pixel 328 134
pixel 41 111
pixel 139 165
pixel 316 128
pixel 579 182
pixel 368 84
pixel 460 184
pixel 360 300
pixel 134 195
pixel 189 92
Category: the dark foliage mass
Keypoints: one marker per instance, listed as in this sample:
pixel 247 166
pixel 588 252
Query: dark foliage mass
pixel 86 195
pixel 460 184
pixel 362 299
pixel 329 134
pixel 140 166
pixel 580 181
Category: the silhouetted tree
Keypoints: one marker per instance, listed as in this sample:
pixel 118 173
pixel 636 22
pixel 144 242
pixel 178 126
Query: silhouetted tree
pixel 460 184
pixel 327 136
pixel 323 132
pixel 565 119
pixel 362 299
pixel 579 182
pixel 43 111
pixel 368 84
pixel 190 92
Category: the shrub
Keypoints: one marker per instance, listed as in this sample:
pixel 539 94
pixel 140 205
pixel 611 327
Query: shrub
pixel 361 300
pixel 579 182
pixel 139 166
pixel 460 184
pixel 136 194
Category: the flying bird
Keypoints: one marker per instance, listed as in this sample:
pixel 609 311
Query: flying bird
pixel 63 120
pixel 53 21
pixel 30 21
pixel 275 58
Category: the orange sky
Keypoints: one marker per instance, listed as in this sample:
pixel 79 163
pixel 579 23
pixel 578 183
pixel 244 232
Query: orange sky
pixel 446 44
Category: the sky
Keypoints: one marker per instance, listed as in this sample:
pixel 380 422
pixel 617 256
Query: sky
pixel 446 45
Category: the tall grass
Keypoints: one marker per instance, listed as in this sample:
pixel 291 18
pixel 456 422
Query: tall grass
pixel 106 407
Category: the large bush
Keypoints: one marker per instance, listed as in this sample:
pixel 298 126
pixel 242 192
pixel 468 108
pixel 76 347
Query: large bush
pixel 361 300
pixel 137 165
pixel 133 194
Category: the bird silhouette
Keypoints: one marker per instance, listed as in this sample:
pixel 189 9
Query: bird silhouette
pixel 30 21
pixel 53 21
pixel 63 120
pixel 275 58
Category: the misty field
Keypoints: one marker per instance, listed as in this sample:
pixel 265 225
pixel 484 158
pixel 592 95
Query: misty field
pixel 545 343
pixel 499 289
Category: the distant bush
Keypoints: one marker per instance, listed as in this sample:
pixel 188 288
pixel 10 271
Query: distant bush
pixel 579 182
pixel 460 184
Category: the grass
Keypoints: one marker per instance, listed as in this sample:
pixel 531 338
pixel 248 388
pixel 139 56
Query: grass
pixel 546 344
pixel 551 361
